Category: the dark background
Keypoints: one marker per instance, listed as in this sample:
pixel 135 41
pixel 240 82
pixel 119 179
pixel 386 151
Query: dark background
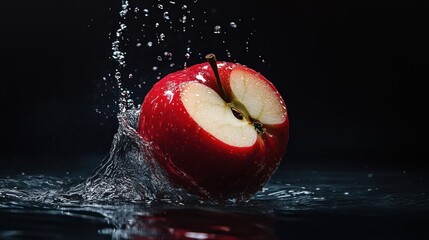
pixel 351 72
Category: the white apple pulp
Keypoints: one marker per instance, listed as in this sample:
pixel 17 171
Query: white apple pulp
pixel 251 95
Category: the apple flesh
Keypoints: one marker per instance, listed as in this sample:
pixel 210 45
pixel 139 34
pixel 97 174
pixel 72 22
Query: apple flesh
pixel 217 129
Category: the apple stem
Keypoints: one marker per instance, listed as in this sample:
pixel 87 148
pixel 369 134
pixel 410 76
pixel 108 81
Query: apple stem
pixel 211 58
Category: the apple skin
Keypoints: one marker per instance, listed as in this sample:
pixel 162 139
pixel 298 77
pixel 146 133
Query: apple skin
pixel 194 159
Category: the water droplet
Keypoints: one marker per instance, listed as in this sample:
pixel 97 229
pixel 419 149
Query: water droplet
pixel 166 17
pixel 159 58
pixel 160 6
pixel 233 24
pixel 187 55
pixel 130 75
pixel 138 44
pixel 149 44
pixel 118 75
pixel 217 29
pixel 161 36
pixel 124 10
pixel 155 68
pixel 130 103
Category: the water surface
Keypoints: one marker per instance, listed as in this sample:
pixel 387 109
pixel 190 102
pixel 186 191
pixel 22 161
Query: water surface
pixel 293 205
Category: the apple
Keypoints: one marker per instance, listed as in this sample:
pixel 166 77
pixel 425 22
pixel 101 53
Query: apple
pixel 217 129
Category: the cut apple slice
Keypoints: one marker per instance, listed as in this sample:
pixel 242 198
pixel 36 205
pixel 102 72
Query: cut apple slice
pixel 214 115
pixel 261 101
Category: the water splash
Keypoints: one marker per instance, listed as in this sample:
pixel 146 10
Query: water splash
pixel 99 203
pixel 187 30
pixel 127 174
pixel 125 101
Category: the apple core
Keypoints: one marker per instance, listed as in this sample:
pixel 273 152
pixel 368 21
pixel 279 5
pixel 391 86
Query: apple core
pixel 213 114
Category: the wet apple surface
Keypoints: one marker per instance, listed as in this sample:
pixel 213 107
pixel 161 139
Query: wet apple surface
pixel 218 129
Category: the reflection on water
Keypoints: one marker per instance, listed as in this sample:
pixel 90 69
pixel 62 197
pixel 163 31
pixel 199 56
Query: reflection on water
pixel 194 223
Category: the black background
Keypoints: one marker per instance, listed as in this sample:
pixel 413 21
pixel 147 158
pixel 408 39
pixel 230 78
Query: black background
pixel 351 72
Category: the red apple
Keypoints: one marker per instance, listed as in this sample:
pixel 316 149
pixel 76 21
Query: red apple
pixel 217 129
